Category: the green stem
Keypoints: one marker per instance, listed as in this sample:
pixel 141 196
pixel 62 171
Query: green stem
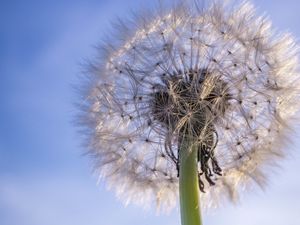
pixel 188 184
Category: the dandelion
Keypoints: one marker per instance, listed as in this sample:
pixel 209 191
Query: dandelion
pixel 191 103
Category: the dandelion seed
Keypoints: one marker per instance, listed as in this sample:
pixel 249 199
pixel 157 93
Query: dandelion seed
pixel 218 76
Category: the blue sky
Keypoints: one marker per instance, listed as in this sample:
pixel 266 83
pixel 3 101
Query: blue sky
pixel 44 179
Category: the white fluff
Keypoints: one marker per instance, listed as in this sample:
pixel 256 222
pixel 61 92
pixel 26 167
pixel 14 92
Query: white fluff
pixel 259 66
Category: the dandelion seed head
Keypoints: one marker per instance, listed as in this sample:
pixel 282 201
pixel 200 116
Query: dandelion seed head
pixel 221 72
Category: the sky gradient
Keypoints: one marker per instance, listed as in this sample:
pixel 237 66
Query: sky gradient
pixel 44 177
